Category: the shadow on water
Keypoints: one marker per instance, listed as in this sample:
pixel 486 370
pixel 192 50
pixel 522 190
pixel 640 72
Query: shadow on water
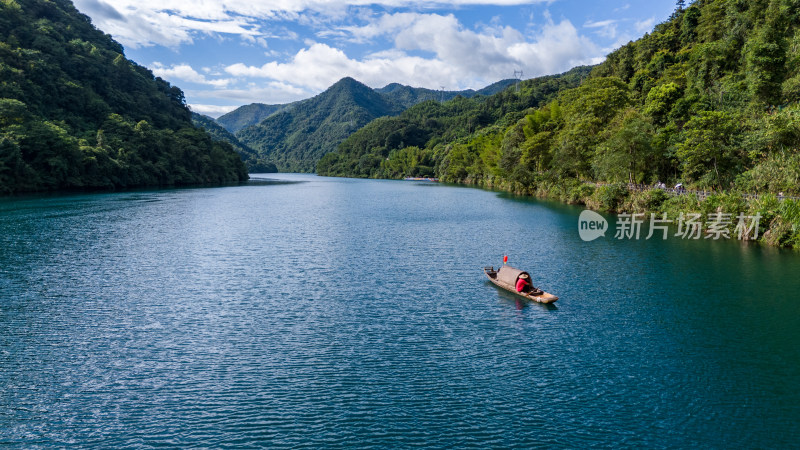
pixel 518 302
pixel 555 205
pixel 90 194
pixel 270 182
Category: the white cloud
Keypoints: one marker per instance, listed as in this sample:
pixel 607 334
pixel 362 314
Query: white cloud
pixel 557 48
pixel 185 72
pixel 317 67
pixel 605 28
pixel 138 23
pixel 459 58
pixel 269 92
pixel 168 23
pixel 643 26
pixel 420 49
pixel 211 110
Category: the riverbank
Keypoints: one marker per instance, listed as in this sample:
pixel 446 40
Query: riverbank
pixel 778 217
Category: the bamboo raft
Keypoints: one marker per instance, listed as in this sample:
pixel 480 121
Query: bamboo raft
pixel 506 277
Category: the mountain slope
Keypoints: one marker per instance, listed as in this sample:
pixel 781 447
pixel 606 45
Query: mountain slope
pixel 370 152
pixel 295 139
pixel 247 115
pixel 407 96
pixel 399 96
pixel 710 98
pixel 218 133
pixel 74 113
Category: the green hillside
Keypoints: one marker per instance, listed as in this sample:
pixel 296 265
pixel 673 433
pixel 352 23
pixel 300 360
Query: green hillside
pixel 318 122
pixel 218 133
pixel 709 98
pixel 247 115
pixel 407 96
pixel 296 138
pixel 415 142
pixel 75 113
pixel 395 93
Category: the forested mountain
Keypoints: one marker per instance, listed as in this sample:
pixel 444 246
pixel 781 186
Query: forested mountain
pixel 709 98
pixel 407 96
pixel 218 133
pixel 75 113
pixel 412 143
pixel 401 95
pixel 324 133
pixel 247 115
pixel 297 137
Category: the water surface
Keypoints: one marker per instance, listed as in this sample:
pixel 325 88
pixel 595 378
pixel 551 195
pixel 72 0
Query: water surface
pixel 309 311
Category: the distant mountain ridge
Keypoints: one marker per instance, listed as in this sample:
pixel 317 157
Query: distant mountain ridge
pixel 400 94
pixel 408 96
pixel 295 136
pixel 247 115
pixel 250 157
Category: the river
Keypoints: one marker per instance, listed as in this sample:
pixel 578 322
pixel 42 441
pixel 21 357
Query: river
pixel 306 311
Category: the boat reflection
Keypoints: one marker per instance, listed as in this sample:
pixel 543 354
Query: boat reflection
pixel 519 302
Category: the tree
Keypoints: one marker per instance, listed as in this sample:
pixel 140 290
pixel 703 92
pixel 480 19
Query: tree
pixel 660 100
pixel 766 63
pixel 69 100
pixel 627 151
pixel 709 150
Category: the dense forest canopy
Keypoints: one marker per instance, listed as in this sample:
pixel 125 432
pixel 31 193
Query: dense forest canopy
pixel 295 138
pixel 248 115
pixel 709 99
pixel 417 140
pixel 297 135
pixel 251 158
pixel 75 113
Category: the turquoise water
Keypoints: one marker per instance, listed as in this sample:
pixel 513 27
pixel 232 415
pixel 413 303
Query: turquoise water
pixel 311 311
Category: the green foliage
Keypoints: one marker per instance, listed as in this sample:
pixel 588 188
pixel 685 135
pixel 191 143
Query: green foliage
pixel 725 202
pixel 767 206
pixel 431 124
pixel 652 201
pixel 678 204
pixel 610 197
pixel 407 162
pixel 297 137
pixel 627 152
pixel 710 151
pixel 710 98
pixel 580 193
pixel 323 122
pixel 783 224
pixel 74 113
pixel 766 58
pixel 660 101
pixel 248 115
pixel 777 173
pixel 254 163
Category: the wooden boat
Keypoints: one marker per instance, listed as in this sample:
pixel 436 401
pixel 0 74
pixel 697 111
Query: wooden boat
pixel 506 277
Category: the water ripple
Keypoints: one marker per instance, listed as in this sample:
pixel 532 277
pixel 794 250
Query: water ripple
pixel 353 313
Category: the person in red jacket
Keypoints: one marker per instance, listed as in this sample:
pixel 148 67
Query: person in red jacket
pixel 522 282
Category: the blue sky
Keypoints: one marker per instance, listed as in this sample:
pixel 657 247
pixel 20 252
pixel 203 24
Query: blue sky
pixel 225 54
